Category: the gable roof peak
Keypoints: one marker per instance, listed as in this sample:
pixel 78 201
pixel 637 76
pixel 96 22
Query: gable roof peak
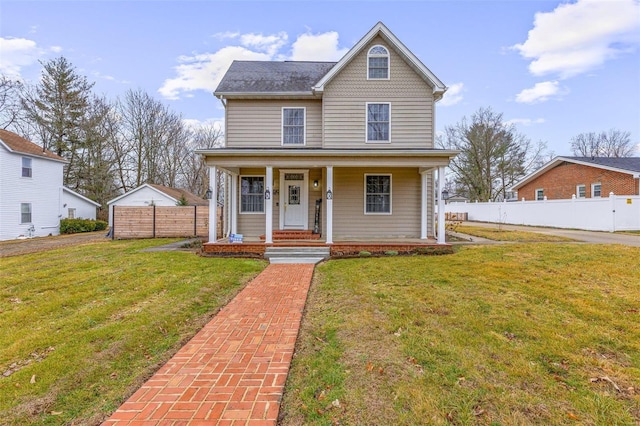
pixel 381 29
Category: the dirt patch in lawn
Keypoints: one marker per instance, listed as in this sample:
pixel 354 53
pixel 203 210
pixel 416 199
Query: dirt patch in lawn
pixel 38 244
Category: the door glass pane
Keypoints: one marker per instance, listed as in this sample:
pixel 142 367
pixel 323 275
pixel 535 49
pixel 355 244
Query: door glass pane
pixel 294 195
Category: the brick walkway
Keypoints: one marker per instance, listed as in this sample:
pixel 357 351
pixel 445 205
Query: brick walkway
pixel 234 370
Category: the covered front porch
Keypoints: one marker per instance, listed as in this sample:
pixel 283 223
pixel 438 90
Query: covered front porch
pixel 350 200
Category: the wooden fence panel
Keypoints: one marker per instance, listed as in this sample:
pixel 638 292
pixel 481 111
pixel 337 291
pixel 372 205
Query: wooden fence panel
pixel 132 222
pixel 162 221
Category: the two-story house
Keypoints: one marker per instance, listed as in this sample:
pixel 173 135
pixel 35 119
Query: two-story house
pixel 344 149
pixel 32 198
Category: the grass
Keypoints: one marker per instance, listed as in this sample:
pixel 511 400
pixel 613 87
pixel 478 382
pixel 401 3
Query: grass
pixel 81 328
pixel 497 234
pixel 492 335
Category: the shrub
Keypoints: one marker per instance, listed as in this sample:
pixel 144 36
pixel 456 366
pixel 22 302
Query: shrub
pixel 364 253
pixel 74 226
pixel 391 252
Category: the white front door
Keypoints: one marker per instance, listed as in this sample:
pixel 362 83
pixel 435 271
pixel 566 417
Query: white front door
pixel 294 199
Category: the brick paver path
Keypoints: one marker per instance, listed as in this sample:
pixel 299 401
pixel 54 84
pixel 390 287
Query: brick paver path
pixel 234 370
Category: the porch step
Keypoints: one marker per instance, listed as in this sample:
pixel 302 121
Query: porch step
pixel 296 254
pixel 293 235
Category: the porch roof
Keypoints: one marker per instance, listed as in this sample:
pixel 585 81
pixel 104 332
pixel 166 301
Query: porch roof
pixel 320 157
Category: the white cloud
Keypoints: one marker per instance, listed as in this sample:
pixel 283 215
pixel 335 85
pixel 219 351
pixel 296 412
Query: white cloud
pixel 16 54
pixel 317 47
pixel 204 71
pixel 225 35
pixel 453 95
pixel 269 44
pixel 577 37
pixel 541 92
pixel 524 121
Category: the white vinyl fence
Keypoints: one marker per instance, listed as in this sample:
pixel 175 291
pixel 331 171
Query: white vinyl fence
pixel 616 213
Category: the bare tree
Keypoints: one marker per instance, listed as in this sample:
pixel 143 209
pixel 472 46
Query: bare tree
pixel 151 142
pixel 614 143
pixel 195 173
pixel 10 106
pixel 493 155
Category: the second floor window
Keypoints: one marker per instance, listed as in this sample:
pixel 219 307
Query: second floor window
pixel 26 167
pixel 251 194
pixel 539 194
pixel 378 63
pixel 596 190
pixel 293 126
pixel 581 191
pixel 378 122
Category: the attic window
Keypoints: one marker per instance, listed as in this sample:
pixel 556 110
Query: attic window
pixel 378 63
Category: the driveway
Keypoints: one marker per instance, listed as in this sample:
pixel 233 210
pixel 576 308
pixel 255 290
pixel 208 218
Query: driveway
pixel 593 237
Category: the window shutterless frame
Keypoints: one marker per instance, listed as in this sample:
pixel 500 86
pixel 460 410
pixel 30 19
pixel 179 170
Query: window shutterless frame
pixel 27 169
pixel 377 194
pixel 581 191
pixel 539 194
pixel 378 122
pixel 252 194
pixel 378 61
pixel 25 213
pixel 596 190
pixel 294 126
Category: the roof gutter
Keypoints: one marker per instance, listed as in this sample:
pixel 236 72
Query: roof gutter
pixel 240 95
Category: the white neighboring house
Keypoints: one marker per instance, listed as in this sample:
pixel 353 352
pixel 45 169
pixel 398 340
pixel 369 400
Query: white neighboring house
pixel 30 188
pixel 76 206
pixel 150 194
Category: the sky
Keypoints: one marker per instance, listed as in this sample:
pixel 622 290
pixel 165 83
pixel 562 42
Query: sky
pixel 554 69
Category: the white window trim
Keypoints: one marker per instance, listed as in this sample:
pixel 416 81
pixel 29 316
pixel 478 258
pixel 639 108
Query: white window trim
pixel 304 130
pixel 388 56
pixel 390 195
pixel 30 214
pixel 578 191
pixel 366 122
pixel 593 185
pixel 30 167
pixel 536 194
pixel 264 204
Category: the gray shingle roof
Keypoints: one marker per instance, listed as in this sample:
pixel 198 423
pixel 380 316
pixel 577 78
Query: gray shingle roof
pixel 625 163
pixel 272 77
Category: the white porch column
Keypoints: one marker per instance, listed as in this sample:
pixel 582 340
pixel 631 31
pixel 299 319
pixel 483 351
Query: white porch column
pixel 329 196
pixel 213 205
pixel 268 206
pixel 441 231
pixel 423 205
pixel 233 204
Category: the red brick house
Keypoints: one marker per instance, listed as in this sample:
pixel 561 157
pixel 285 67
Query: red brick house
pixel 584 177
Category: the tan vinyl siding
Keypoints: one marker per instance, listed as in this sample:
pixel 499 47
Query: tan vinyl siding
pixel 258 123
pixel 250 225
pixel 346 95
pixel 349 219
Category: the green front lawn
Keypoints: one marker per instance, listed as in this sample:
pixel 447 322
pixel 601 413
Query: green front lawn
pixel 498 234
pixel 497 335
pixel 502 335
pixel 81 328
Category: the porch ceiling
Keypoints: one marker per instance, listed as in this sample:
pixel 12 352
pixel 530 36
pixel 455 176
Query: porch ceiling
pixel 318 157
